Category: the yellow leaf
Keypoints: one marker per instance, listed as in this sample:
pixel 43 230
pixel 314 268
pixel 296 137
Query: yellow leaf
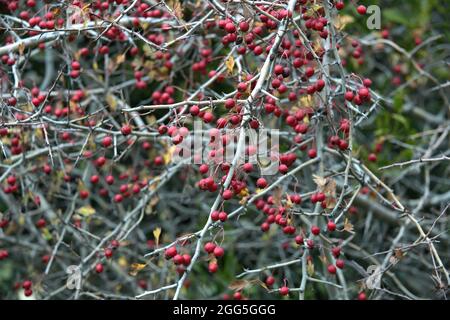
pixel 21 220
pixel 305 101
pixel 46 234
pixel 168 155
pixel 111 101
pixel 306 119
pixel 244 193
pixel 289 203
pixel 95 66
pixel 120 59
pixel 310 268
pixel 86 211
pixel 147 50
pixel 230 64
pixel 151 120
pixel 135 268
pixel 156 234
pixel 342 21
pixel 177 8
pixel 122 262
pixel 21 48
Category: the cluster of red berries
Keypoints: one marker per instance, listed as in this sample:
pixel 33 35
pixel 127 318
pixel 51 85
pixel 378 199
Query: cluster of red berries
pixel 178 259
pixel 216 252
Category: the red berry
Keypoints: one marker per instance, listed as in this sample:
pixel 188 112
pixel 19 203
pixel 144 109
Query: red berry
pixel 170 252
pixel 299 240
pixel 126 129
pixel 372 157
pixel 27 284
pixel 215 215
pixel 41 223
pixel 315 230
pixel 261 183
pixel 186 259
pixel 244 26
pixel 209 247
pixel 340 263
pixel 108 253
pixel 223 216
pixel 178 259
pixel 270 281
pixel 361 9
pixel 194 110
pixel 349 96
pixel 227 194
pixel 28 292
pixel 363 93
pixel 242 87
pixel 218 251
pixel 312 153
pixel 284 291
pixel 230 27
pixel 336 251
pixel 212 267
pixel 118 198
pixel 331 226
pixel 248 167
pixel 237 296
pixel 362 296
pixel 99 268
pixel 331 269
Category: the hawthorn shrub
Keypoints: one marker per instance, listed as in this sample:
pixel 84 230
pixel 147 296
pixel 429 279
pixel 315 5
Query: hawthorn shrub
pixel 98 97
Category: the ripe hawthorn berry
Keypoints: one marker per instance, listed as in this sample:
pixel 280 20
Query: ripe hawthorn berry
pixel 227 194
pixel 99 268
pixel 213 267
pixel 218 251
pixel 362 10
pixel 108 253
pixel 270 280
pixel 331 226
pixel 284 291
pixel 209 247
pixel 170 252
pixel 372 157
pixel 261 183
pixel 336 251
pixel 312 153
pixel 362 296
pixel 315 230
pixel 126 129
pixel 331 269
pixel 237 295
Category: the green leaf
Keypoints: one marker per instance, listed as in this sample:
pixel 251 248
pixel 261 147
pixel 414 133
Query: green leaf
pixel 86 211
pixel 399 100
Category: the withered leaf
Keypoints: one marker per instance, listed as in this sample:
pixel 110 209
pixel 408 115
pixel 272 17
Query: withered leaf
pixel 230 64
pixel 238 285
pixel 135 268
pixel 326 185
pixel 348 226
pixel 310 268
